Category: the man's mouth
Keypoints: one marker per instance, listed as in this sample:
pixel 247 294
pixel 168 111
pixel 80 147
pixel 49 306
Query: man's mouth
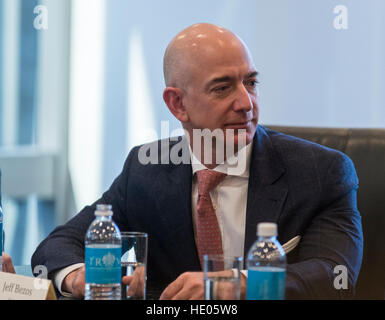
pixel 238 125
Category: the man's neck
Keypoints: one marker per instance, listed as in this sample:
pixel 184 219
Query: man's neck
pixel 210 157
pixel 234 163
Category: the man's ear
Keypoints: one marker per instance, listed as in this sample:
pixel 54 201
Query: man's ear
pixel 173 98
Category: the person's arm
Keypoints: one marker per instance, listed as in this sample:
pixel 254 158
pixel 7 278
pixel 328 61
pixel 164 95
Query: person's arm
pixel 65 245
pixel 334 237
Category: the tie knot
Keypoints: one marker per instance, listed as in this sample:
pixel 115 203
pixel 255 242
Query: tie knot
pixel 208 180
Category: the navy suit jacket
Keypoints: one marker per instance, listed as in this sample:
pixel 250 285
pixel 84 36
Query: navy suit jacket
pixel 307 189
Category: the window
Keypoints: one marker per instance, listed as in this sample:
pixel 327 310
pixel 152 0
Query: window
pixel 33 104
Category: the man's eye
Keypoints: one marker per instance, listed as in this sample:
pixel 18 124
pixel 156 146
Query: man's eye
pixel 252 83
pixel 220 89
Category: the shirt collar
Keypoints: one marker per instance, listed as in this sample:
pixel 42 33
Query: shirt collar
pixel 237 165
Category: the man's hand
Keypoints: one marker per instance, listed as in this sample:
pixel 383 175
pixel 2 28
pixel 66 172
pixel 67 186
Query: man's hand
pixel 7 264
pixel 74 282
pixel 135 283
pixel 188 286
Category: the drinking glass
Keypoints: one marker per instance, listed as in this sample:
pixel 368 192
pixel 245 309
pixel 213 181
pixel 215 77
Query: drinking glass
pixel 134 264
pixel 222 277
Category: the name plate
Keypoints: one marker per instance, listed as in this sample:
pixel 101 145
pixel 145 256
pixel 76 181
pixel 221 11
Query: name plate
pixel 18 287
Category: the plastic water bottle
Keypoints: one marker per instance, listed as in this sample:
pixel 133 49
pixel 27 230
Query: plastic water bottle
pixel 266 265
pixel 102 257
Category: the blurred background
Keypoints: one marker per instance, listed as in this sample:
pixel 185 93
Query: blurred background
pixel 81 83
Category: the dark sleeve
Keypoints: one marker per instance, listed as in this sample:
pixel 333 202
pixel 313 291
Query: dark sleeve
pixel 333 238
pixel 65 245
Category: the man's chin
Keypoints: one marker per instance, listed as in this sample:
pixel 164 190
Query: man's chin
pixel 240 139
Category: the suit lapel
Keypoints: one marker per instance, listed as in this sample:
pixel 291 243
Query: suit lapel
pixel 267 192
pixel 267 189
pixel 173 192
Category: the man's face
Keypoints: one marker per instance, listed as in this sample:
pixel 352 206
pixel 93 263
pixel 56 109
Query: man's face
pixel 222 93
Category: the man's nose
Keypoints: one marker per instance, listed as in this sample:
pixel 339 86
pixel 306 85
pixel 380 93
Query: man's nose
pixel 242 100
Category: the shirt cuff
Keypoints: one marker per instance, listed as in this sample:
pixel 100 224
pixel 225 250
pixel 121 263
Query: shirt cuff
pixel 59 276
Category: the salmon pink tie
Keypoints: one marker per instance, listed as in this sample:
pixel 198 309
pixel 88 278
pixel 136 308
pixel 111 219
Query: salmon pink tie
pixel 209 239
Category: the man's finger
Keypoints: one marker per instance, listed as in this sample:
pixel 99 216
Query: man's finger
pixel 190 292
pixel 172 289
pixel 133 289
pixel 127 280
pixel 182 295
pixel 7 264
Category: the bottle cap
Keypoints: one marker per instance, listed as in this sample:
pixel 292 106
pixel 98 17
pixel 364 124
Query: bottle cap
pixel 267 229
pixel 103 210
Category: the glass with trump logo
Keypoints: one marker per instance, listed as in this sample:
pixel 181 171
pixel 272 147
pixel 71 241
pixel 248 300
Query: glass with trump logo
pixel 134 264
pixel 222 277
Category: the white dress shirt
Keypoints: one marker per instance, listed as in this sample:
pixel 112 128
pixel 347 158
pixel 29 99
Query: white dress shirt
pixel 229 200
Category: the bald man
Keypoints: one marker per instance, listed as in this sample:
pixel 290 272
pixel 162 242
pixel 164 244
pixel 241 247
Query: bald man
pixel 307 189
pixel 203 65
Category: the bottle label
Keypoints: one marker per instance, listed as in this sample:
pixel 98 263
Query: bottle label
pixel 266 283
pixel 103 264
